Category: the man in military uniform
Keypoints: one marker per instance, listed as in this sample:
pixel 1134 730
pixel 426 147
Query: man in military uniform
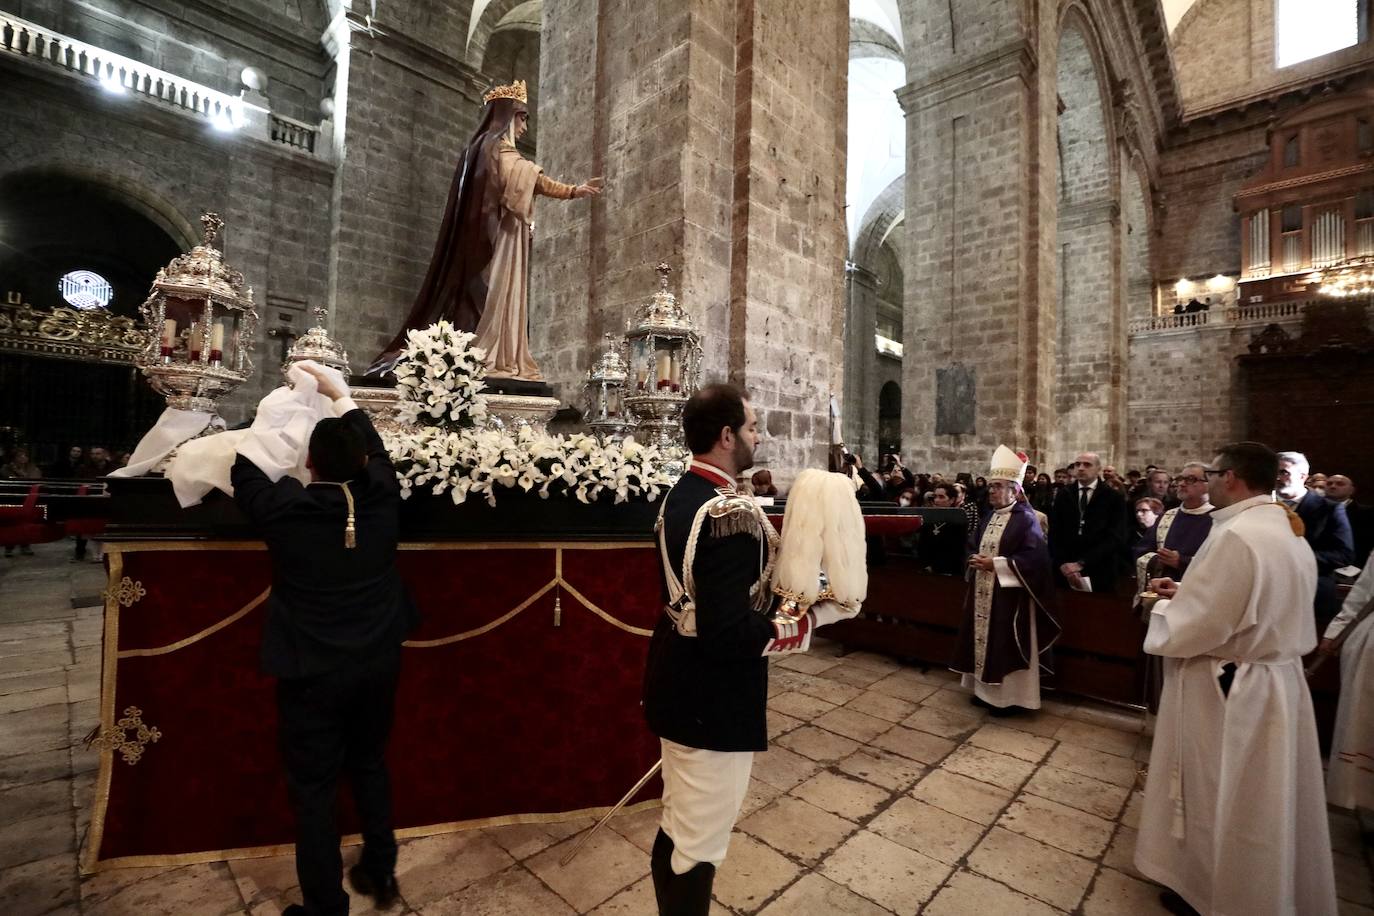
pixel 707 678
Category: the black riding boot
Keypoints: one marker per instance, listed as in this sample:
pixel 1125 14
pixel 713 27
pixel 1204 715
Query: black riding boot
pixel 661 867
pixel 690 894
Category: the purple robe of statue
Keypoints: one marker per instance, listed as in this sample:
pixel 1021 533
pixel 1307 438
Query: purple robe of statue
pixel 994 635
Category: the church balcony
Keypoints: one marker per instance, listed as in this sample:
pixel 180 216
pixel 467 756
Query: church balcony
pixel 1225 317
pixel 29 44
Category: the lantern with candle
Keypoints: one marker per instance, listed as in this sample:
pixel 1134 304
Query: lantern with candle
pixel 605 391
pixel 207 320
pixel 316 345
pixel 665 351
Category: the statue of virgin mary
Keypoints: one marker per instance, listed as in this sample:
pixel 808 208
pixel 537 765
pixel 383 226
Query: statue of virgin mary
pixel 477 277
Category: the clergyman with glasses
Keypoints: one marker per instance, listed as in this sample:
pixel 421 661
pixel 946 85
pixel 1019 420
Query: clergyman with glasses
pixel 1170 545
pixel 1234 815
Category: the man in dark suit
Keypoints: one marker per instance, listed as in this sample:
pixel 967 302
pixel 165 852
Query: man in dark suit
pixel 336 618
pixel 1324 525
pixel 706 682
pixel 1088 528
pixel 1341 489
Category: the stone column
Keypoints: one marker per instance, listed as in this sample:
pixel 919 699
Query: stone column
pixel 719 127
pixel 860 382
pixel 980 216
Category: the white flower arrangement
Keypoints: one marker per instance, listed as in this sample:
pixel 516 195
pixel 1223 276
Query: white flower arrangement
pixel 439 377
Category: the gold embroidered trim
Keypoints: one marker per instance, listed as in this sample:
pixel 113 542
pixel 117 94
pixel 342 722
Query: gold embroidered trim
pixel 127 592
pixel 197 637
pixel 118 739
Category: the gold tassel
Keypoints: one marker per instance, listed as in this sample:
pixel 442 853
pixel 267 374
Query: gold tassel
pixel 350 530
pixel 1295 521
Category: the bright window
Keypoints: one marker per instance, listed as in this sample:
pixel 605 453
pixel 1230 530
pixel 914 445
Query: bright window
pixel 1311 28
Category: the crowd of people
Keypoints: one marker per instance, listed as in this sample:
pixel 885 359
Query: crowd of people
pixel 1101 524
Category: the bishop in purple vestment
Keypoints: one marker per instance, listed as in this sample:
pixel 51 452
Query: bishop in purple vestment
pixel 1008 624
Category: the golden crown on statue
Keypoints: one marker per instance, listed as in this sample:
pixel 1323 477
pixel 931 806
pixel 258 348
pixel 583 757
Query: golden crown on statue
pixel 515 90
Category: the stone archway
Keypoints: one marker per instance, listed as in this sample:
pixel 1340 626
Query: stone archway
pixel 58 219
pixel 1088 349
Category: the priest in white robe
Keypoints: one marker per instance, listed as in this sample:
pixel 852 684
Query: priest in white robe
pixel 1234 819
pixel 1350 770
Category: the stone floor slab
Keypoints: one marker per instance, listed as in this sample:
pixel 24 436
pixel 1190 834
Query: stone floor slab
pixel 432 867
pixel 970 799
pixel 608 864
pixel 1120 771
pixel 1011 742
pixel 1048 874
pixel 815 894
pixel 37 838
pixel 845 796
pixel 818 744
pixel 882 768
pixel 40 886
pixel 799 705
pixel 783 769
pixel 943 722
pixel 798 829
pixel 885 872
pixel 988 766
pixel 852 724
pixel 514 890
pixel 919 746
pixel 806 663
pixel 1098 737
pixel 752 873
pixel 881 706
pixel 1115 894
pixel 904 687
pixel 1077 791
pixel 928 830
pixel 1058 825
pixel 970 894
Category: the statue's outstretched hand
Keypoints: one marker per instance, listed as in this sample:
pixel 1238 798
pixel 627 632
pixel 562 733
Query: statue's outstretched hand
pixel 592 187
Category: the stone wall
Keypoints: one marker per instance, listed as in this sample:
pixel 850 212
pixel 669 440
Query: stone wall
pixel 1224 53
pixel 719 127
pixel 275 202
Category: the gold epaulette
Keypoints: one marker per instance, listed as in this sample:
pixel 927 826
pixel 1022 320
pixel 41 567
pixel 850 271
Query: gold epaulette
pixel 731 513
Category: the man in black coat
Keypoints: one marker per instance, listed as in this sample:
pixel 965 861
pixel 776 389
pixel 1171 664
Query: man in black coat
pixel 336 618
pixel 706 682
pixel 1088 528
pixel 1341 489
pixel 1326 528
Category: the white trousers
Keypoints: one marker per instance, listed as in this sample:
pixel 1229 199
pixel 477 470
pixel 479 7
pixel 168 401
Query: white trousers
pixel 702 794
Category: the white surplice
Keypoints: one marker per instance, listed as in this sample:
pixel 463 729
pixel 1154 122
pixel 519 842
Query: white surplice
pixel 1350 772
pixel 1234 817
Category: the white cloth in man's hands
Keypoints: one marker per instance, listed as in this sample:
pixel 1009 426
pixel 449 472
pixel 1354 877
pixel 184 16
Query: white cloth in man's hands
pixel 277 442
pixel 825 612
pixel 171 429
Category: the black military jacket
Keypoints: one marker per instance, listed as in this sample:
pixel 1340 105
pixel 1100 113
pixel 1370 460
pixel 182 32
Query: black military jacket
pixel 709 690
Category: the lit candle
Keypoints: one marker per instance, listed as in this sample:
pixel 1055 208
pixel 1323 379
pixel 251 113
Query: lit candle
pixel 217 343
pixel 169 336
pixel 642 377
pixel 613 403
pixel 195 343
pixel 675 372
pixel 665 368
